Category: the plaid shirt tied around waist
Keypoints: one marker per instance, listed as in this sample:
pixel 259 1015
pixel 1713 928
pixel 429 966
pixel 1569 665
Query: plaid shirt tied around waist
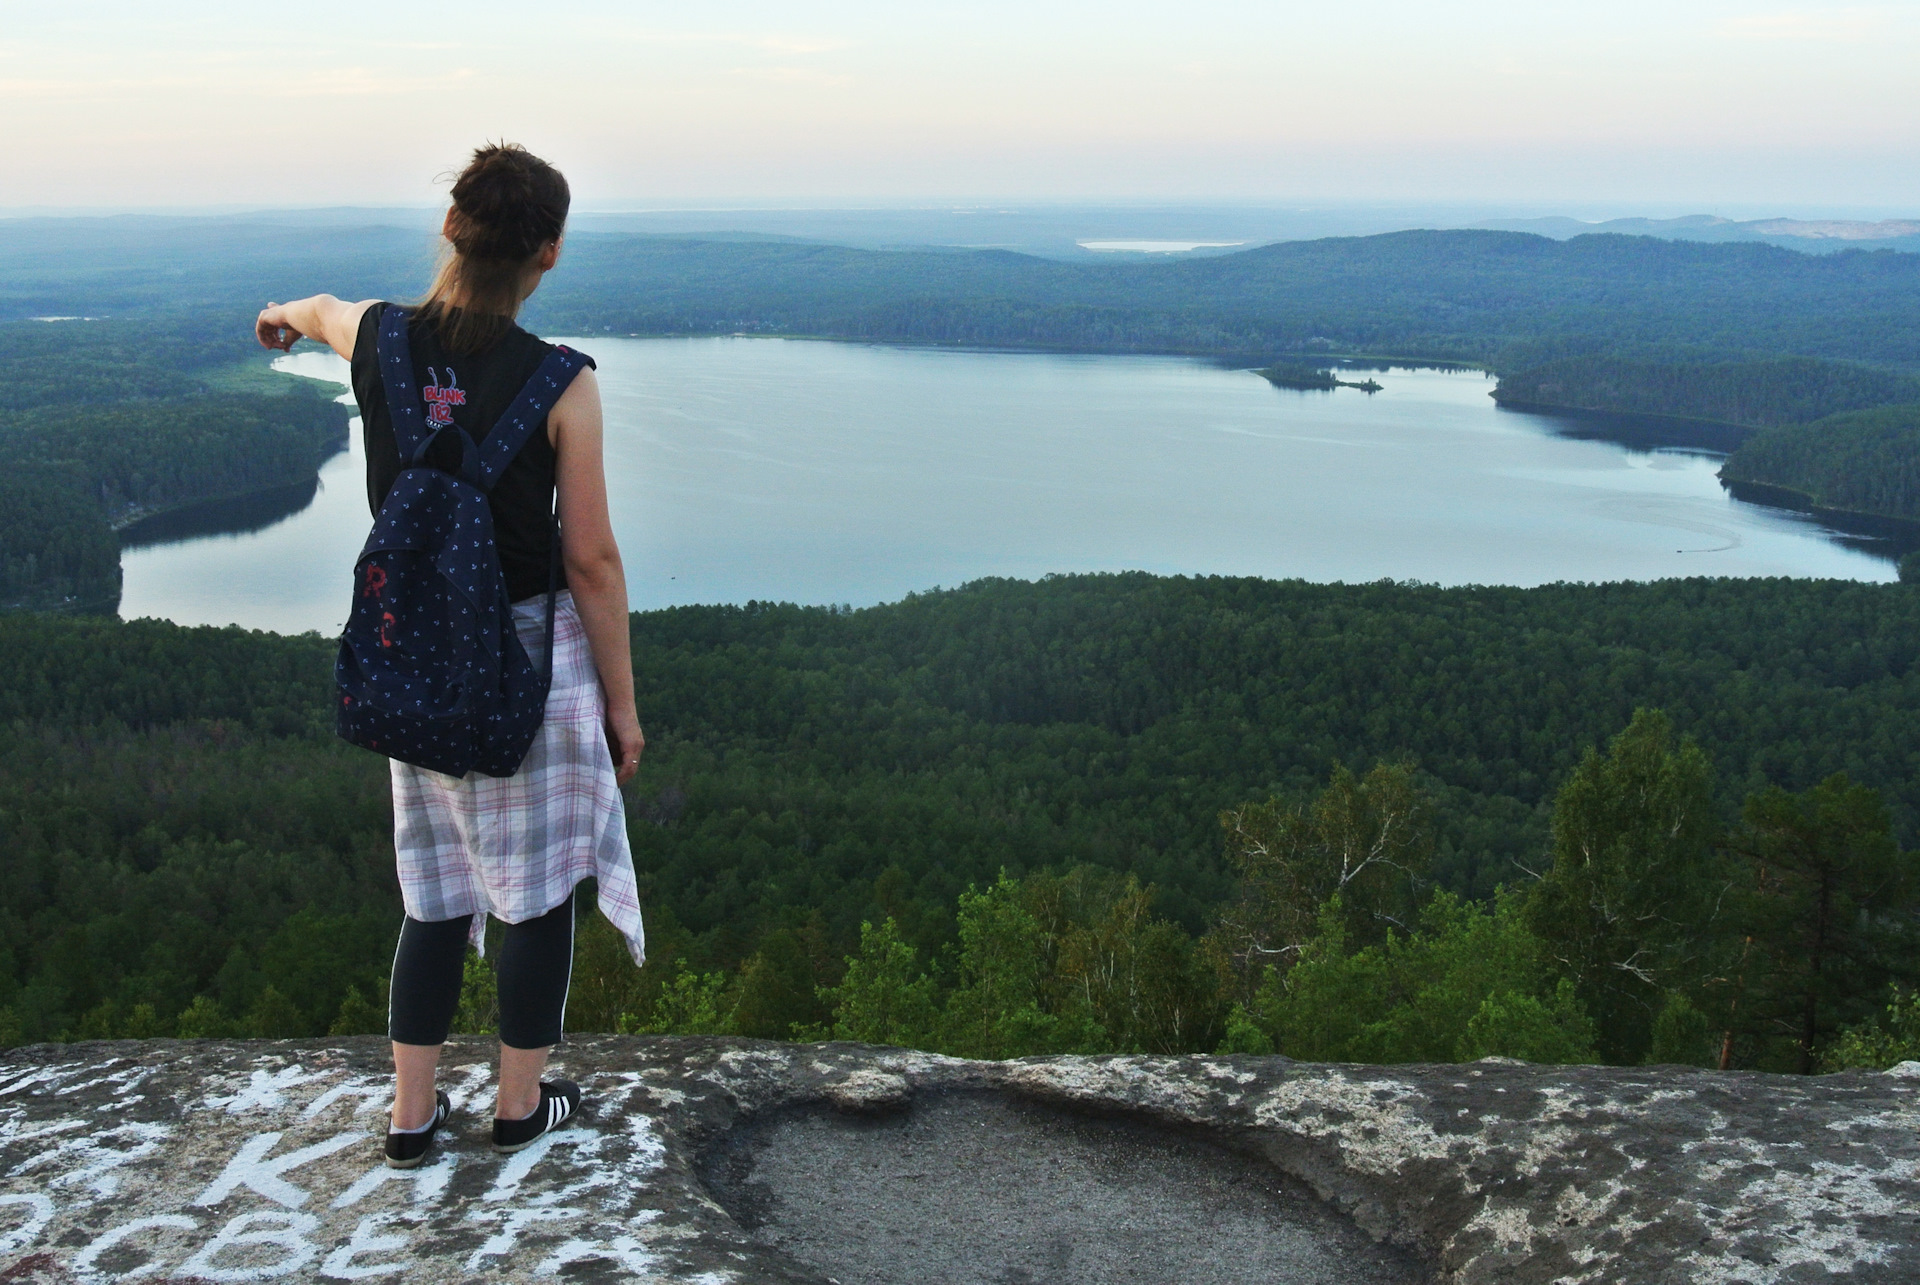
pixel 514 847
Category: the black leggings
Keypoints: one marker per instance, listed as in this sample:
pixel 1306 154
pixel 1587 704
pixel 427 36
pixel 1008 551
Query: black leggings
pixel 534 966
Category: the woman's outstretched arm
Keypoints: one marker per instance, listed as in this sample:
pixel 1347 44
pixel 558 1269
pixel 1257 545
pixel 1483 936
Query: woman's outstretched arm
pixel 594 571
pixel 334 322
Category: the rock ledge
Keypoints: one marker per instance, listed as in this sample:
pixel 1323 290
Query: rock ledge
pixel 251 1161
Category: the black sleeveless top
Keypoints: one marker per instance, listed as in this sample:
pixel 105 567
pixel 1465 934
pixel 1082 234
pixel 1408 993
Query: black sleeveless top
pixel 476 390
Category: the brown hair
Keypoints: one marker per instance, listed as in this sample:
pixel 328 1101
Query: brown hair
pixel 508 204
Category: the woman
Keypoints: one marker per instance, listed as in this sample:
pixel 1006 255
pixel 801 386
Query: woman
pixel 512 847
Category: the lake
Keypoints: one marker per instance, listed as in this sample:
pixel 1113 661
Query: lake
pixel 750 468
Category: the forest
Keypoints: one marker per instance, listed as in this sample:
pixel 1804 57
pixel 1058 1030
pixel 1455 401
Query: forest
pixel 1508 299
pixel 1505 298
pixel 1364 821
pixel 1757 393
pixel 1864 462
pixel 103 422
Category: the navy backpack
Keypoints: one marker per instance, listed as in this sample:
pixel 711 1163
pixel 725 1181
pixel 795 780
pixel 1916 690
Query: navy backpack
pixel 431 670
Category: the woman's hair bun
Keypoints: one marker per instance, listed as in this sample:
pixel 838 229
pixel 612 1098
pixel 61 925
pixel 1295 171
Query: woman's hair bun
pixel 507 203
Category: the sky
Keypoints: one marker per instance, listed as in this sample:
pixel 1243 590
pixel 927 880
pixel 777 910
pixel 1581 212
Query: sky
pixel 1625 106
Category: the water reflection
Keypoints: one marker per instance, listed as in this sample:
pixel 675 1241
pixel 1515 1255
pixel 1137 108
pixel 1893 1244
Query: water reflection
pixel 1881 537
pixel 240 515
pixel 279 565
pixel 1639 432
pixel 1868 532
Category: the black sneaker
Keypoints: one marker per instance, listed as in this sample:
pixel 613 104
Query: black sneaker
pixel 405 1150
pixel 559 1099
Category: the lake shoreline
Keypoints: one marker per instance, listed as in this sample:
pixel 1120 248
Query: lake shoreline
pixel 1639 428
pixel 857 473
pixel 1904 533
pixel 1248 360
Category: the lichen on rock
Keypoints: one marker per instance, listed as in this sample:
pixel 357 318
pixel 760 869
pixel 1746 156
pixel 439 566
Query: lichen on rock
pixel 244 1161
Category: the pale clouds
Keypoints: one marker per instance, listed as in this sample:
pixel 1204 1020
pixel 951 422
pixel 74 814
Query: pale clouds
pixel 1835 26
pixel 212 100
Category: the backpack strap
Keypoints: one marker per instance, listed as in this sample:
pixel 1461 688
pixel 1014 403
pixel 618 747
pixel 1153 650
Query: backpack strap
pixel 528 412
pixel 553 586
pixel 404 405
pixel 512 431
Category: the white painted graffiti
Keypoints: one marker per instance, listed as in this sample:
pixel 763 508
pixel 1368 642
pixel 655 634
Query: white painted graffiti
pixel 371 1094
pixel 512 1223
pixel 624 1250
pixel 568 1199
pixel 468 1084
pixel 39 1214
pixel 251 1169
pixel 264 1092
pixel 85 1263
pixel 290 1235
pixel 90 1162
pixel 366 1239
pixel 429 1182
pixel 506 1185
pixel 47 1075
pixel 123 1083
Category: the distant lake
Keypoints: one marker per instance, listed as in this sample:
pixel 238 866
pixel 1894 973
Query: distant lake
pixel 836 473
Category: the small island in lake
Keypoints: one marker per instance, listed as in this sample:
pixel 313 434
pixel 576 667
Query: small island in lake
pixel 1311 378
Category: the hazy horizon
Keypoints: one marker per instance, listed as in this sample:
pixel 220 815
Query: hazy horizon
pixel 1632 108
pixel 1060 230
pixel 1584 211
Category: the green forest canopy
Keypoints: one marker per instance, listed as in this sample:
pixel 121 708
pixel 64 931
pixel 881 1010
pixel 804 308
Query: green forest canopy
pixel 1867 461
pixel 184 833
pixel 1754 393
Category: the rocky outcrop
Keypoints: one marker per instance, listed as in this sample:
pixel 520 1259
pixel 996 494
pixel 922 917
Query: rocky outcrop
pixel 730 1160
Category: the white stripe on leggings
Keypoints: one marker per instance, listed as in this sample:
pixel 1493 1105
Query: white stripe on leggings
pixel 393 971
pixel 573 917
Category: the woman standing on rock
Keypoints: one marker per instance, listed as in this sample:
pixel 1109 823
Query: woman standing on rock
pixel 460 385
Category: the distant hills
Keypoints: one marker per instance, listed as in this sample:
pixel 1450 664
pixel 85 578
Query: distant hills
pixel 1506 299
pixel 1813 235
pixel 1071 233
pixel 1699 319
pixel 1501 298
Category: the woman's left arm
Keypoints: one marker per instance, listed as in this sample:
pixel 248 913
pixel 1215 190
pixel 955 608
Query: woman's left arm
pixel 594 570
pixel 334 322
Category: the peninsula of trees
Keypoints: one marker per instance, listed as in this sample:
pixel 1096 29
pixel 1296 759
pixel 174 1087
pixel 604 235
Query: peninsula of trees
pixel 1867 461
pixel 1312 378
pixel 1743 393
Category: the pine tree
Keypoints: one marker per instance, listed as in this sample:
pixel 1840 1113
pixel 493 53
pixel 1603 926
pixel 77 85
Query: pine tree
pixel 884 998
pixel 1824 906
